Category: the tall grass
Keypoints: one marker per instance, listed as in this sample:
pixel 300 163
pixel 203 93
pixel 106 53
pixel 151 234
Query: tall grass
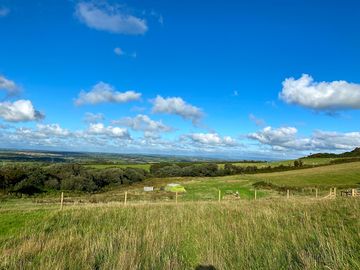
pixel 266 234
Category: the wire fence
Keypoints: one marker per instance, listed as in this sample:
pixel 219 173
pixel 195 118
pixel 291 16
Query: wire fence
pixel 137 197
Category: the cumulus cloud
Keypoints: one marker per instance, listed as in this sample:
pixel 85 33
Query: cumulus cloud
pixel 8 86
pixel 96 136
pixel 142 123
pixel 53 130
pixel 321 95
pixel 94 117
pixel 4 11
pixel 19 111
pixel 43 135
pixel 101 129
pixel 274 136
pixel 103 92
pixel 212 139
pixel 109 18
pixel 286 138
pixel 177 106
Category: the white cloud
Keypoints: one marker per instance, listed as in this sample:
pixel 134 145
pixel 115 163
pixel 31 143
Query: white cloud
pixel 286 138
pixel 212 139
pixel 9 86
pixel 336 140
pixel 143 123
pixel 101 129
pixel 274 136
pixel 53 130
pixel 321 95
pixel 177 106
pixel 49 135
pixel 109 18
pixel 19 111
pixel 4 12
pixel 94 117
pixel 103 92
pixel 118 51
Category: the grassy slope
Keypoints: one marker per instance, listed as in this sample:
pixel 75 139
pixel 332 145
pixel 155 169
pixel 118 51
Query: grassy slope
pixel 265 234
pixel 341 175
pixel 248 235
pixel 306 161
pixel 206 188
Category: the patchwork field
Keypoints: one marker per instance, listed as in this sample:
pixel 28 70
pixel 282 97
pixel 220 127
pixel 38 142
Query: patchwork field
pixel 306 161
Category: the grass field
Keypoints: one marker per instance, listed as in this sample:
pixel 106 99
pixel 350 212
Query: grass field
pixel 342 176
pixel 265 234
pixel 306 161
pixel 96 231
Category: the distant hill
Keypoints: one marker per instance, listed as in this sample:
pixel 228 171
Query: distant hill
pixel 353 153
pixel 92 158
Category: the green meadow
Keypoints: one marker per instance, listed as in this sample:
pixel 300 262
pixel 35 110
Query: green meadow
pixel 97 231
pixel 263 234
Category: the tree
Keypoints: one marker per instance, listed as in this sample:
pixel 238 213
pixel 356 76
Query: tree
pixel 298 163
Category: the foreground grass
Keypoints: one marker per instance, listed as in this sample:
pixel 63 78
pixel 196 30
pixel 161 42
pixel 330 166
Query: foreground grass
pixel 293 234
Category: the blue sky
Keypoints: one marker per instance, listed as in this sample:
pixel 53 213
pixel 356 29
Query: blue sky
pixel 243 79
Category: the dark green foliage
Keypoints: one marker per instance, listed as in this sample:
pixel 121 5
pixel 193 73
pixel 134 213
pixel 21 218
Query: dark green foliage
pixel 31 179
pixel 134 175
pixel 184 169
pixel 353 153
pixel 298 163
pixel 344 160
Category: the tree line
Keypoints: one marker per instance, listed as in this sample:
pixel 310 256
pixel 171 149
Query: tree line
pixel 213 169
pixel 22 178
pixel 30 179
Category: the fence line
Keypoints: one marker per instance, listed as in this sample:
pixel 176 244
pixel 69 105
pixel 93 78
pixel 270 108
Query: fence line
pixel 176 196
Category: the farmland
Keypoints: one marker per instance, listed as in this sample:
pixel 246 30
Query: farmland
pixel 306 161
pixel 341 176
pixel 97 231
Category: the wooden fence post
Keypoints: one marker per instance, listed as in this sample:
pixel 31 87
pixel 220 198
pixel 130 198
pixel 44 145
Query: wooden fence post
pixel 125 200
pixel 330 192
pixel 255 194
pixel 288 194
pixel 353 192
pixel 316 193
pixel 219 195
pixel 335 192
pixel 62 201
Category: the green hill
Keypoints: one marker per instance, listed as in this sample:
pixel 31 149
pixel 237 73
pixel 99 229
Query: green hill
pixel 340 175
pixel 353 153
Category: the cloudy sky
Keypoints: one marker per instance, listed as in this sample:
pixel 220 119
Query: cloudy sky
pixel 240 79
